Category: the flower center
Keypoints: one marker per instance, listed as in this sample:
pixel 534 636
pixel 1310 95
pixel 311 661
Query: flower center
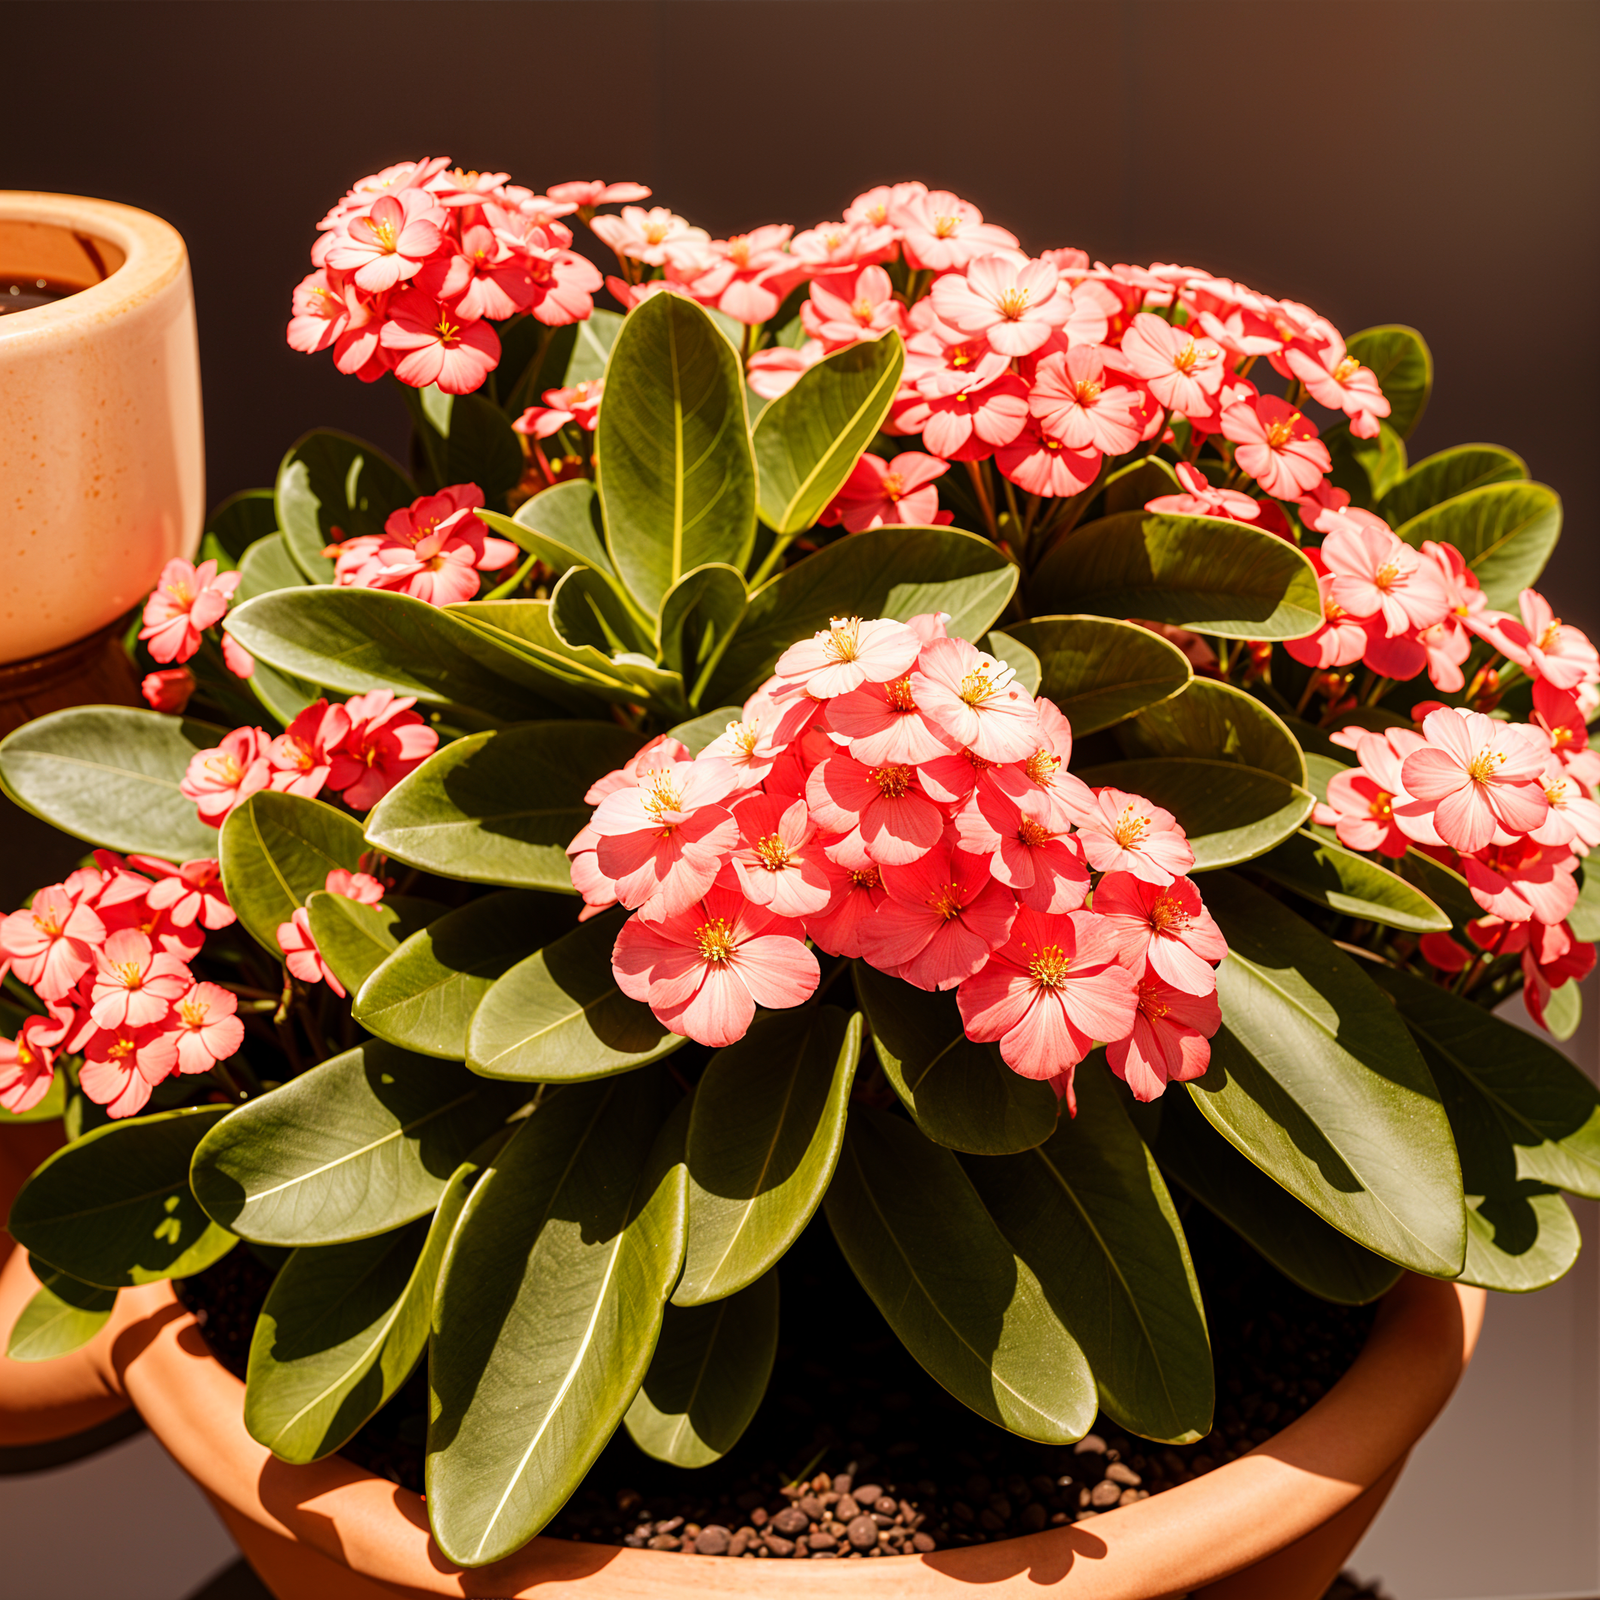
pixel 1282 431
pixel 121 1049
pixel 383 235
pixel 181 593
pixel 1185 359
pixel 1012 303
pixel 1548 637
pixel 225 770
pixel 1088 391
pixel 129 973
pixel 1150 1002
pixel 1485 765
pixel 1167 915
pixel 1386 575
pixel 660 794
pixel 772 853
pixel 48 923
pixel 1382 807
pixel 447 331
pixel 1042 767
pixel 863 311
pixel 893 486
pixel 947 901
pixel 898 694
pixel 655 232
pixel 745 736
pixel 1346 370
pixel 716 941
pixel 739 251
pixel 863 877
pixel 193 1012
pixel 1049 967
pixel 1130 829
pixel 892 782
pixel 1033 834
pixel 944 227
pixel 844 638
pixel 984 683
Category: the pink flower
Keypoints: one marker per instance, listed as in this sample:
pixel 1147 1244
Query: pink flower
pixel 1012 301
pixel 1276 445
pixel 1183 370
pixel 1165 926
pixel 851 652
pixel 579 404
pixel 1170 1041
pixel 557 285
pixel 1341 639
pixel 1551 958
pixel 1029 845
pixel 236 658
pixel 1545 646
pixel 938 231
pixel 943 916
pixel 1041 464
pixel 219 779
pixel 1441 951
pixel 779 862
pixel 1201 500
pixel 1360 807
pixel 301 955
pixel 440 347
pixel 705 969
pixel 26 1072
pixel 597 192
pixel 484 279
pixel 844 926
pixel 1076 404
pixel 882 724
pixel 321 312
pixel 302 756
pixel 390 242
pixel 386 740
pixel 777 369
pixel 648 236
pixel 1375 573
pixel 1124 833
pixel 1573 818
pixel 744 747
pixel 168 691
pixel 1048 993
pixel 186 601
pixel 847 309
pixel 122 1065
pixel 1339 382
pixel 898 491
pixel 883 814
pixel 206 1029
pixel 1523 881
pixel 662 843
pixel 359 886
pixel 1557 715
pixel 134 985
pixel 51 945
pixel 974 699
pixel 966 416
pixel 832 249
pixel 749 274
pixel 189 894
pixel 1475 779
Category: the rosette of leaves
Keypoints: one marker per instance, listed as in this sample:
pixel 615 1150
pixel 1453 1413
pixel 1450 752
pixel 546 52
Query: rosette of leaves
pixel 576 1218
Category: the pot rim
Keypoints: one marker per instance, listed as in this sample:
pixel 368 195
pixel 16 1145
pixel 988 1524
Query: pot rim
pixel 153 256
pixel 152 1353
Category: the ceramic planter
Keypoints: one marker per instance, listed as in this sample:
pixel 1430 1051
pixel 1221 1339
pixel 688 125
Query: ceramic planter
pixel 1274 1525
pixel 101 448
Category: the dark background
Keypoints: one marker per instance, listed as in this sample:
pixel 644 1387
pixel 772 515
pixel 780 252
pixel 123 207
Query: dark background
pixel 1432 162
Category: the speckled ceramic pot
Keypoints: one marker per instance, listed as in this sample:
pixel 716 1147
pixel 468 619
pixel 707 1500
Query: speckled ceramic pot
pixel 102 467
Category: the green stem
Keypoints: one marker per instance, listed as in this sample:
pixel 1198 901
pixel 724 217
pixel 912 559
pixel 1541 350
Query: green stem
pixel 986 505
pixel 514 582
pixel 770 565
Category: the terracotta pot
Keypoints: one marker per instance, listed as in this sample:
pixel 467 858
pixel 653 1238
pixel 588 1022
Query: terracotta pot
pixel 101 448
pixel 1273 1525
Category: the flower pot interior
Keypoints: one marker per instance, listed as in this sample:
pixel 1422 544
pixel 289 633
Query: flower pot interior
pixel 41 262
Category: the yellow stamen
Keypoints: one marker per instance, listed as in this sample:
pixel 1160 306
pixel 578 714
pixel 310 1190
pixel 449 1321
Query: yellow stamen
pixel 772 853
pixel 947 901
pixel 892 782
pixel 1130 829
pixel 716 941
pixel 1049 967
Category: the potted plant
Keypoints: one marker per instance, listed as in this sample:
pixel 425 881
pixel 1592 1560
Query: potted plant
pixel 686 838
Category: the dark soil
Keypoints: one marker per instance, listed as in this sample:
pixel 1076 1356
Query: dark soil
pixel 857 1453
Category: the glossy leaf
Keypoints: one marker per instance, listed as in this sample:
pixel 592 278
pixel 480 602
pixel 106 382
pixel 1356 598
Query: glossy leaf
pixel 1013 653
pixel 1403 365
pixel 354 939
pixel 423 995
pixel 596 334
pixel 586 608
pixel 239 522
pixel 959 1093
pixel 884 572
pixel 672 449
pixel 267 566
pixel 500 807
pixel 808 440
pixel 1204 573
pixel 709 725
pixel 114 1207
pixel 1088 1211
pixel 547 1313
pixel 342 1328
pixel 333 487
pixel 1316 1080
pixel 1584 918
pixel 1231 813
pixel 764 1138
pixel 699 617
pixel 1098 670
pixel 1291 1236
pixel 1350 884
pixel 918 1238
pixel 278 849
pixel 62 1317
pixel 1443 885
pixel 561 526
pixel 1506 531
pixel 557 1016
pixel 1216 722
pixel 1451 472
pixel 109 775
pixel 1131 487
pixel 471 441
pixel 356 1146
pixel 707 1377
pixel 1365 469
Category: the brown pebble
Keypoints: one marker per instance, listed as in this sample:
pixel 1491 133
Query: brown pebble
pixel 885 1505
pixel 627 1500
pixel 665 1541
pixel 822 1540
pixel 758 1517
pixel 962 1512
pixel 987 1519
pixel 777 1546
pixel 739 1543
pixel 841 1483
pixel 862 1533
pixel 847 1508
pixel 1104 1494
pixel 669 1525
pixel 791 1521
pixel 922 1543
pixel 824 1555
pixel 712 1541
pixel 1127 1497
pixel 867 1493
pixel 821 1483
pixel 1090 1444
pixel 1000 1506
pixel 1033 1517
pixel 1125 1475
pixel 1059 1519
pixel 814 1509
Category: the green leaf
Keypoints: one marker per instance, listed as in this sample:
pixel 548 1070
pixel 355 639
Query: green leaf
pixel 1099 671
pixel 471 440
pixel 1231 813
pixel 1316 1081
pixel 707 1377
pixel 239 522
pixel 1350 884
pixel 561 526
pixel 1200 572
pixel 109 775
pixel 808 440
pixel 1506 531
pixel 1366 469
pixel 699 617
pixel 884 572
pixel 595 336
pixel 672 449
pixel 586 608
pixel 357 1146
pixel 1216 722
pixel 1441 477
pixel 354 939
pixel 696 735
pixel 1023 662
pixel 422 996
pixel 114 1207
pixel 342 1328
pixel 1291 1236
pixel 1131 487
pixel 1090 1215
pixel 959 1093
pixel 62 1317
pixel 1563 1011
pixel 1443 885
pixel 276 851
pixel 333 487
pixel 501 807
pixel 918 1238
pixel 1403 365
pixel 764 1137
pixel 265 568
pixel 1583 919
pixel 547 1313
pixel 1547 1107
pixel 557 1016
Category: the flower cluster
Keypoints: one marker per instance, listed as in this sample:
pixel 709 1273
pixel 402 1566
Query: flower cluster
pixel 893 795
pixel 108 955
pixel 297 942
pixel 416 262
pixel 186 601
pixel 360 750
pixel 435 550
